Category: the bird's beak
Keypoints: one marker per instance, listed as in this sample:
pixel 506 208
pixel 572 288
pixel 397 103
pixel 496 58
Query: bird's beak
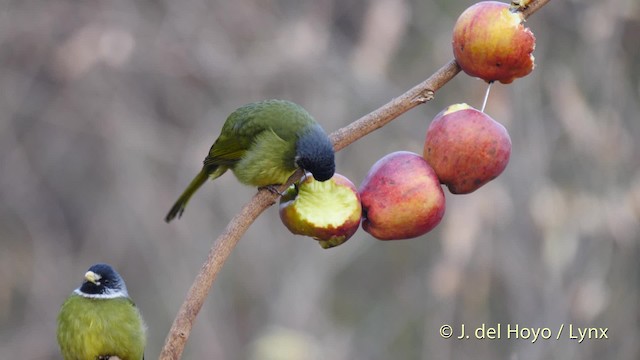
pixel 92 277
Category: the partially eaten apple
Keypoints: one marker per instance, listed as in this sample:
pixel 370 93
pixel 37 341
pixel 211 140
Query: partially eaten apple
pixel 328 211
pixel 491 42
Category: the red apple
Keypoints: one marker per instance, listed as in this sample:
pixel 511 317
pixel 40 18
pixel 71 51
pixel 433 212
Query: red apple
pixel 466 148
pixel 401 197
pixel 491 42
pixel 328 211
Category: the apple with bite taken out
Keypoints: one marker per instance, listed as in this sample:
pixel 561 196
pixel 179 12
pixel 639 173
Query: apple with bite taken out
pixel 328 211
pixel 401 197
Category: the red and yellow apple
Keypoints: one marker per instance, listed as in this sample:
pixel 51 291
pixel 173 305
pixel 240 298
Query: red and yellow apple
pixel 328 211
pixel 401 197
pixel 466 148
pixel 491 42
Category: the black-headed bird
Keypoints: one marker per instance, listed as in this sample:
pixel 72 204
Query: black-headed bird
pixel 99 320
pixel 264 143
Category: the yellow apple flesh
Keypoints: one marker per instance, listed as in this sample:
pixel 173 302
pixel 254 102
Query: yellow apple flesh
pixel 328 211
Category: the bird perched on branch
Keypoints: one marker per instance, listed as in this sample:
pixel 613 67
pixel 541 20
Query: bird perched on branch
pixel 264 143
pixel 98 321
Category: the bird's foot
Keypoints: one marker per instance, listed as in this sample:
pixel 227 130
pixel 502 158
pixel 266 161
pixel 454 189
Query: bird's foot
pixel 272 188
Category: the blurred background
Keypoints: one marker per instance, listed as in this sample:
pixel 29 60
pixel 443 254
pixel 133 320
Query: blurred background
pixel 109 107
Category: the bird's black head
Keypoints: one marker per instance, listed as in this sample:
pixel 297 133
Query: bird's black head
pixel 102 281
pixel 314 153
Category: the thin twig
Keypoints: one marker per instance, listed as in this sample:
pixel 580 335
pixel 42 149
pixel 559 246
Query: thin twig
pixel 534 6
pixel 224 244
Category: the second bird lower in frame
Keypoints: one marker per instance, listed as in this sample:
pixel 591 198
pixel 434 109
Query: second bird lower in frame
pixel 100 321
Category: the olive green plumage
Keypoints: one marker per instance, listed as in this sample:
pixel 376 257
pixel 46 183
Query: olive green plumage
pixel 263 143
pixel 99 320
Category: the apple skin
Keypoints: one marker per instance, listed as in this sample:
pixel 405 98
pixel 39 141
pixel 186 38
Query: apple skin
pixel 314 199
pixel 466 148
pixel 401 197
pixel 490 42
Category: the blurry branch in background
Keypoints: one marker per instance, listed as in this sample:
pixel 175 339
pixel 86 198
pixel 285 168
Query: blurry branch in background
pixel 341 138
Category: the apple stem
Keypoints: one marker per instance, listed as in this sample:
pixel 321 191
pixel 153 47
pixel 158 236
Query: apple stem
pixel 486 96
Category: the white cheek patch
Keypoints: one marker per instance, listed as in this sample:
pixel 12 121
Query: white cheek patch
pixel 108 294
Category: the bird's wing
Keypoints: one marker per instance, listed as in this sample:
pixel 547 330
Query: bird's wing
pixel 237 135
pixel 225 152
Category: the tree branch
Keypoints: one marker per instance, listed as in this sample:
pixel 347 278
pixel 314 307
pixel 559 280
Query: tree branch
pixel 341 138
pixel 533 6
pixel 419 94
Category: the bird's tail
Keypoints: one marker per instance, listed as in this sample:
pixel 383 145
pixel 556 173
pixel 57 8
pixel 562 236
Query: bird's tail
pixel 178 207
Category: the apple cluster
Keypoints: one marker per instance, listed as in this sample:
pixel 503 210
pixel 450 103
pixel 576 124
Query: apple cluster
pixel 402 197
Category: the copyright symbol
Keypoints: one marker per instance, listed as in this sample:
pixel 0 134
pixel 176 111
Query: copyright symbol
pixel 446 331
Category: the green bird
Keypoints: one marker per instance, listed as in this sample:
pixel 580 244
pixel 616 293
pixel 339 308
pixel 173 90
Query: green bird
pixel 263 143
pixel 99 321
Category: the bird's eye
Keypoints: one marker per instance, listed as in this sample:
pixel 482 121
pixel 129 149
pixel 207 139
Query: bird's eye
pixel 106 281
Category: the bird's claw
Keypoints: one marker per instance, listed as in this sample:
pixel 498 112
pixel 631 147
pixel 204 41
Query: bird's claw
pixel 273 189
